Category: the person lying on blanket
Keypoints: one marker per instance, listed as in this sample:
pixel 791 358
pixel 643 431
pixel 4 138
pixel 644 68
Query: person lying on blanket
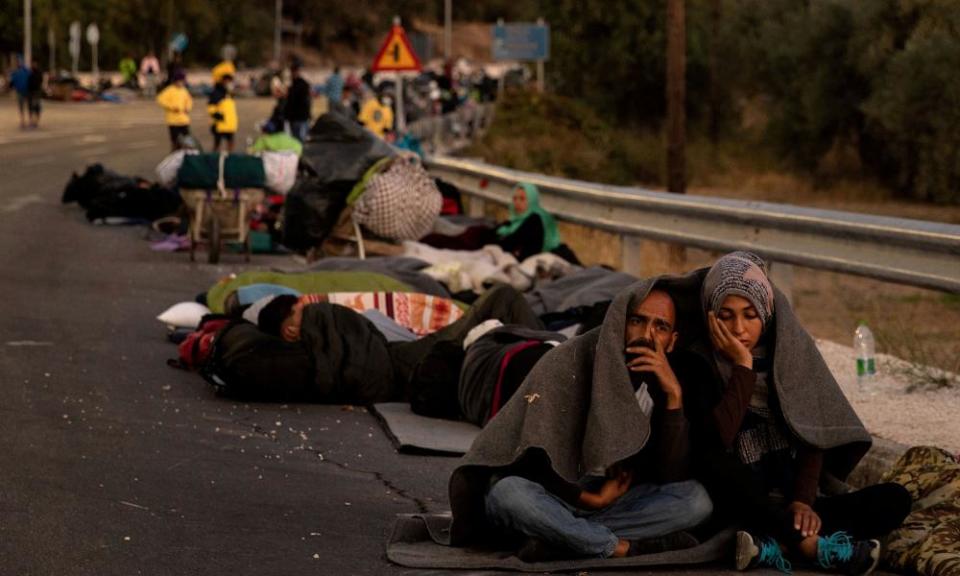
pixel 412 361
pixel 616 388
pixel 776 422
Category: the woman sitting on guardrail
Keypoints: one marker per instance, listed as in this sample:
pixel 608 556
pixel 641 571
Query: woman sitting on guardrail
pixel 531 230
pixel 774 426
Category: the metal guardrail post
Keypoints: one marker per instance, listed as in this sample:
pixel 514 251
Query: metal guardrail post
pixel 631 255
pixel 782 275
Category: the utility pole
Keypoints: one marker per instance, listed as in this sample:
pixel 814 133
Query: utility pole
pixel 714 73
pixel 278 15
pixel 540 73
pixel 27 27
pixel 447 30
pixel 52 45
pixel 676 96
pixel 676 111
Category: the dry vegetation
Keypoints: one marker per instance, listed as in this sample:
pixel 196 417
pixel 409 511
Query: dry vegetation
pixel 553 136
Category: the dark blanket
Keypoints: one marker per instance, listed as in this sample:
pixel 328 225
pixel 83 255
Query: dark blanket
pixel 575 412
pixel 350 358
pixel 311 211
pixel 483 368
pixel 339 149
pixel 578 289
pixel 106 194
pixel 428 369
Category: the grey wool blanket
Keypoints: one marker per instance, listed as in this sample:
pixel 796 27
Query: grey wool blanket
pixel 813 405
pixel 576 412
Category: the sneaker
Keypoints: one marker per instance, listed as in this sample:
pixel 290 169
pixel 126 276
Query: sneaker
pixel 762 552
pixel 674 541
pixel 840 552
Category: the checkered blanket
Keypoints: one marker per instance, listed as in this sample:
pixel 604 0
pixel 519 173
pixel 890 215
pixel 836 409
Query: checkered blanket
pixel 422 314
pixel 401 202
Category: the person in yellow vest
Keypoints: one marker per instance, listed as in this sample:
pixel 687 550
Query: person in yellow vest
pixel 223 113
pixel 223 69
pixel 176 102
pixel 375 116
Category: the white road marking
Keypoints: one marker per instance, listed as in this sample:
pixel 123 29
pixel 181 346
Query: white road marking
pixel 26 343
pixel 93 139
pixel 20 202
pixel 144 144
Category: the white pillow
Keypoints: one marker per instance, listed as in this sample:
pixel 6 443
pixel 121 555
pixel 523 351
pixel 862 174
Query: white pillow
pixel 183 315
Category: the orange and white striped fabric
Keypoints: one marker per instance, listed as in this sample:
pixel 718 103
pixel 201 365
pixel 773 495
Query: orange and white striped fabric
pixel 422 314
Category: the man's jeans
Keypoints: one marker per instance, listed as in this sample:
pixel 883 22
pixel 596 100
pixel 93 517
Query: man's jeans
pixel 299 129
pixel 645 511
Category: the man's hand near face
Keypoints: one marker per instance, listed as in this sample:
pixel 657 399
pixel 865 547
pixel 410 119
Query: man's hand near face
pixel 654 361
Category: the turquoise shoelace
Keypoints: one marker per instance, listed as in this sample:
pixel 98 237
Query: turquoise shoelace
pixel 771 555
pixel 835 547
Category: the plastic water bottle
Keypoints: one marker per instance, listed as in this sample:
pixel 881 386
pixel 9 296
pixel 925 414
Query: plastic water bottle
pixel 864 347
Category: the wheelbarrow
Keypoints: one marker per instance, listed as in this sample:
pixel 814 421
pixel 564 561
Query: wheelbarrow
pixel 220 215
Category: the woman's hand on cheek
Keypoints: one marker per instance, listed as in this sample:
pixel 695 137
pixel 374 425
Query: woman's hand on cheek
pixel 725 342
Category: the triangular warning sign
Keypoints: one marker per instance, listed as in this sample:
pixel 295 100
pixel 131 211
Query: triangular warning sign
pixel 396 54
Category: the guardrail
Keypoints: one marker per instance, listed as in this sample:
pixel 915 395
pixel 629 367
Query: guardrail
pixel 442 134
pixel 914 252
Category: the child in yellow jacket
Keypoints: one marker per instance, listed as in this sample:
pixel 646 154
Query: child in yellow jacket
pixel 223 113
pixel 177 103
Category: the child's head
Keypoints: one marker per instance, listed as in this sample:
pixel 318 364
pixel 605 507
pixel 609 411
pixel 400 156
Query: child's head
pixel 282 317
pixel 738 291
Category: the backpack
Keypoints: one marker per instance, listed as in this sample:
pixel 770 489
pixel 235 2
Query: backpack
pixel 194 350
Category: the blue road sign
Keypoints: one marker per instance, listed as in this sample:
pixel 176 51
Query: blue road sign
pixel 521 42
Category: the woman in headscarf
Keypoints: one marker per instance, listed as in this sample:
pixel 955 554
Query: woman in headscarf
pixel 531 229
pixel 773 421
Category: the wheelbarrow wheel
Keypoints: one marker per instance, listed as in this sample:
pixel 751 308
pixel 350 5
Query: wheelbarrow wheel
pixel 213 236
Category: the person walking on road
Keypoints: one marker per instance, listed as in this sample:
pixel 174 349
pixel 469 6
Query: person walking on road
pixel 177 103
pixel 223 113
pixel 150 70
pixel 20 80
pixel 35 84
pixel 128 70
pixel 297 112
pixel 333 88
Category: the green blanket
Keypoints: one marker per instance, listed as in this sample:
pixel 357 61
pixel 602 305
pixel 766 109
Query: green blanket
pixel 203 170
pixel 305 283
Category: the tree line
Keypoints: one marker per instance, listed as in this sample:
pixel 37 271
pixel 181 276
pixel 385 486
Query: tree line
pixel 873 83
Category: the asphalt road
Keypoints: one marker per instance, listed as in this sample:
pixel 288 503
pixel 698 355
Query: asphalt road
pixel 113 463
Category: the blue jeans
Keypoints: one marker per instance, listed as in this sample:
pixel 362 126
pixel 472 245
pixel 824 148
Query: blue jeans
pixel 299 129
pixel 645 511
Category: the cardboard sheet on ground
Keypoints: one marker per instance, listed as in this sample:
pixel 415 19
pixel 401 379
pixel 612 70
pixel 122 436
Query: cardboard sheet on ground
pixel 413 433
pixel 413 543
